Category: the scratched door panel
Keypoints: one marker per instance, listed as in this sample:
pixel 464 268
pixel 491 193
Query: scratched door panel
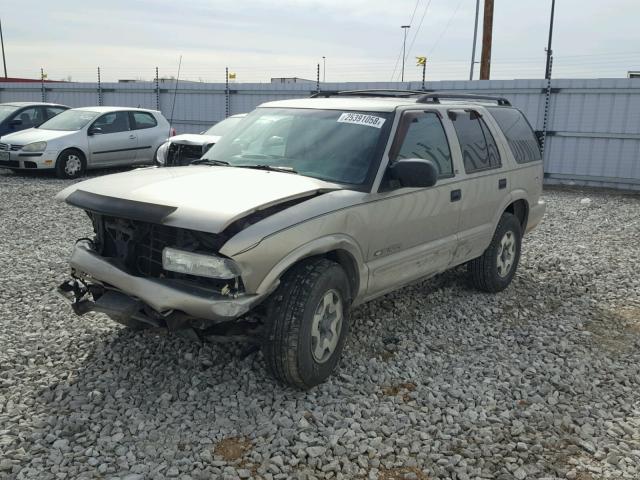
pixel 413 236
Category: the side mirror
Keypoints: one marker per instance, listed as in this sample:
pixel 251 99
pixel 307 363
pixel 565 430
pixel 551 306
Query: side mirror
pixel 15 122
pixel 414 172
pixel 94 131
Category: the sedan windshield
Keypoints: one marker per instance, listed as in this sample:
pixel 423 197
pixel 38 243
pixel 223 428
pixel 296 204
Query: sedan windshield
pixel 69 120
pixel 223 127
pixel 6 110
pixel 333 145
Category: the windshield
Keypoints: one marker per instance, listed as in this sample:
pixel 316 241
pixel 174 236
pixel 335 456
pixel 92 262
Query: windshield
pixel 331 145
pixel 223 127
pixel 69 120
pixel 6 110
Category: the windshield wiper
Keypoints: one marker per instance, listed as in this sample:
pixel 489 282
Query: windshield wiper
pixel 209 161
pixel 272 168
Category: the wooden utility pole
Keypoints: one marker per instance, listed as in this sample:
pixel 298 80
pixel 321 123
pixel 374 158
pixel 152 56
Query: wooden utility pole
pixel 487 33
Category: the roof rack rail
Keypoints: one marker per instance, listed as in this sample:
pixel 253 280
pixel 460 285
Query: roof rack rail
pixel 372 92
pixel 435 97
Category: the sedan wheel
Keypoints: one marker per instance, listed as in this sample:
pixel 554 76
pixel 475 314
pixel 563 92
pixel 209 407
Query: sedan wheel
pixel 73 165
pixel 70 164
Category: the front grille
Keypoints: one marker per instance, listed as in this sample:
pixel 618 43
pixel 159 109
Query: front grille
pixel 9 163
pixel 183 154
pixel 137 246
pixel 14 148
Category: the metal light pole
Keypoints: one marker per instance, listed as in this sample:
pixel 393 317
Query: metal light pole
pixel 547 76
pixel 404 43
pixel 324 69
pixel 475 36
pixel 547 73
pixel 4 61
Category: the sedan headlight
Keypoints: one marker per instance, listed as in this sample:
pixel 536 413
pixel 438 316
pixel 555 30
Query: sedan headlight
pixel 161 154
pixel 35 147
pixel 198 264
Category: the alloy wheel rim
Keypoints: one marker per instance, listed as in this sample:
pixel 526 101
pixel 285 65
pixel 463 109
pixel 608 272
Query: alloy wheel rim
pixel 73 165
pixel 326 326
pixel 506 254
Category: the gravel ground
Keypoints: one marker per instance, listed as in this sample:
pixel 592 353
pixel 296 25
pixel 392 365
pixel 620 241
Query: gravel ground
pixel 438 381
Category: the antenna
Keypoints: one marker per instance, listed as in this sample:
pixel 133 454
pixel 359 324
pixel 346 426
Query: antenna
pixel 175 92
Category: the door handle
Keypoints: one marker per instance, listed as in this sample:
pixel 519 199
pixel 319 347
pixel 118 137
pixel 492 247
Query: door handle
pixel 132 137
pixel 502 183
pixel 456 195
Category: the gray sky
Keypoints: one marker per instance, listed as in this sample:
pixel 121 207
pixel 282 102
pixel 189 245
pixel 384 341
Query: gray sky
pixel 361 39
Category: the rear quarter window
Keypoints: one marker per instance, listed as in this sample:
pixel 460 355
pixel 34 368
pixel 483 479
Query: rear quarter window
pixel 143 120
pixel 478 147
pixel 53 111
pixel 518 132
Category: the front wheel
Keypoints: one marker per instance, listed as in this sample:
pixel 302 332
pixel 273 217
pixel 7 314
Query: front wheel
pixel 308 323
pixel 70 164
pixel 494 270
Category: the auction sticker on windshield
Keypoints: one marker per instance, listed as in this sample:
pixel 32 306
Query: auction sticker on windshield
pixel 362 119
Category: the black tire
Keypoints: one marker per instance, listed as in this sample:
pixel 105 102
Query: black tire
pixel 66 164
pixel 486 274
pixel 289 344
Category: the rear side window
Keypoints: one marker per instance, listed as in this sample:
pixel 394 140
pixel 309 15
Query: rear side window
pixel 29 117
pixel 479 149
pixel 425 138
pixel 53 111
pixel 518 132
pixel 143 120
pixel 113 122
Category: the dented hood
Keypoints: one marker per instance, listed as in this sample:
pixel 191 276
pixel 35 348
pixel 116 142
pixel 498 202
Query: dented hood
pixel 196 197
pixel 193 139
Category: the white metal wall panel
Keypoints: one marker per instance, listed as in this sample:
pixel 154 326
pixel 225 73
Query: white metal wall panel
pixel 594 123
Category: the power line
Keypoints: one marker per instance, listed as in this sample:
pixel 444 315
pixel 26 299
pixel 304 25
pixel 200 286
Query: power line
pixel 395 66
pixel 413 40
pixel 414 12
pixel 445 28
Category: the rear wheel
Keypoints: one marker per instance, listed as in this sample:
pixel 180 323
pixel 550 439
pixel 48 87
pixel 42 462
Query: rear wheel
pixel 494 270
pixel 70 164
pixel 308 323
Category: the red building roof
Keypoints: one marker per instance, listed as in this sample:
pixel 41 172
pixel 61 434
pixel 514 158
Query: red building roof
pixel 25 80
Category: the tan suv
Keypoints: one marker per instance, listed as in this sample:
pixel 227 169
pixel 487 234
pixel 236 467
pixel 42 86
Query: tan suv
pixel 305 209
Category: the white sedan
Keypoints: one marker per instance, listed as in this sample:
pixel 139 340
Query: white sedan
pixel 88 137
pixel 184 149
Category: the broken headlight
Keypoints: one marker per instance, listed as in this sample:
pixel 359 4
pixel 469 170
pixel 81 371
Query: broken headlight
pixel 199 264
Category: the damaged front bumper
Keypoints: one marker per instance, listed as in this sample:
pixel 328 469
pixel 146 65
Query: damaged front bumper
pixel 100 285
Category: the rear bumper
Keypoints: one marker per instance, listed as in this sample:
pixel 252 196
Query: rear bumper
pixel 536 213
pixel 164 296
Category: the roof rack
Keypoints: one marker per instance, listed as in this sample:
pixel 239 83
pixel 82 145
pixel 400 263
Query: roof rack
pixel 435 97
pixel 373 92
pixel 424 96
